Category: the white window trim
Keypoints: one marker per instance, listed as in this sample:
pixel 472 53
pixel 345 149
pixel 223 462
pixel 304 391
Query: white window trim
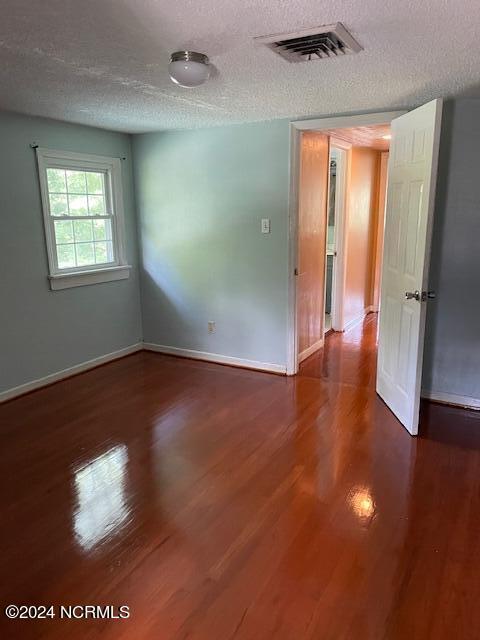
pixel 79 276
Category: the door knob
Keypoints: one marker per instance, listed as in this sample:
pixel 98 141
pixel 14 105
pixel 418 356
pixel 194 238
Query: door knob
pixel 412 295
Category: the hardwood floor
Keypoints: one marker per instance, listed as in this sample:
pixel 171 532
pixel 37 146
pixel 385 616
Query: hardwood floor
pixel 219 503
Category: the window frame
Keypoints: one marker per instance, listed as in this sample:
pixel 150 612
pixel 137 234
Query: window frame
pixel 112 169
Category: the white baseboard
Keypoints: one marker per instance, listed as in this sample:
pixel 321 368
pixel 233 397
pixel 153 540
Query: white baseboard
pixel 356 321
pixel 66 373
pixel 438 396
pixel 306 353
pixel 148 346
pixel 452 398
pixel 216 357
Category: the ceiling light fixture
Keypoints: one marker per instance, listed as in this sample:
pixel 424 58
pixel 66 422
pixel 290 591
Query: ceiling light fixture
pixel 189 68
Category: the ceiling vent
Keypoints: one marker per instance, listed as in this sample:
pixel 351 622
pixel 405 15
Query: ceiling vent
pixel 330 41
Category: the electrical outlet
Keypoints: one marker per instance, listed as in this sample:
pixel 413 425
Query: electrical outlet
pixel 211 326
pixel 265 225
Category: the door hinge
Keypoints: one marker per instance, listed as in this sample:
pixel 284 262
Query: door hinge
pixel 295 272
pixel 420 297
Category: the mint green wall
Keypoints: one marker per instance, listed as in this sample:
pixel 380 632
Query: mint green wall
pixel 43 331
pixel 201 195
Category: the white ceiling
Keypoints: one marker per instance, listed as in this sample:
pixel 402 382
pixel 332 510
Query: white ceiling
pixel 372 136
pixel 104 62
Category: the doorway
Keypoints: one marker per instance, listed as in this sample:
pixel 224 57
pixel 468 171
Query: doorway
pixel 408 223
pixel 345 221
pixel 331 252
pixel 335 249
pixel 296 295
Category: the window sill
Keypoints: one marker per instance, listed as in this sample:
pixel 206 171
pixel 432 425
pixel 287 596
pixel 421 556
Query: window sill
pixel 82 278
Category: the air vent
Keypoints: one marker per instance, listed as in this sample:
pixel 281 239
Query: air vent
pixel 330 41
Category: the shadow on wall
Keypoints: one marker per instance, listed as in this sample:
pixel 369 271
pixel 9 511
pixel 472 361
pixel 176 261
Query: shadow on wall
pixel 201 196
pixel 192 277
pixel 439 222
pixel 171 319
pixel 452 346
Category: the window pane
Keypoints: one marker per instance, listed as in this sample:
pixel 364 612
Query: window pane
pixel 66 256
pixel 85 254
pixel 63 231
pixel 101 254
pixel 95 182
pixel 76 182
pixel 100 229
pixel 96 205
pixel 83 230
pixel 78 205
pixel 58 204
pixel 56 180
pixel 110 255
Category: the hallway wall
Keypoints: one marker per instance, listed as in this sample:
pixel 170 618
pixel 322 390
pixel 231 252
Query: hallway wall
pixel 312 230
pixel 379 230
pixel 360 232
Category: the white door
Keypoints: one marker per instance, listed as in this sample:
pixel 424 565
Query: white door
pixel 408 224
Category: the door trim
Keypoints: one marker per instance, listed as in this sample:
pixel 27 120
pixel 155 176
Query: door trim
pixel 340 237
pixel 296 128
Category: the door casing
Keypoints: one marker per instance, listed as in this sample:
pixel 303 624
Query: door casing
pixel 339 262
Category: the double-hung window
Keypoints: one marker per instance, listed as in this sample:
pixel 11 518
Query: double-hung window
pixel 83 215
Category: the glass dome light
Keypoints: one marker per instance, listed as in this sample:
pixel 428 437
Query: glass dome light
pixel 189 68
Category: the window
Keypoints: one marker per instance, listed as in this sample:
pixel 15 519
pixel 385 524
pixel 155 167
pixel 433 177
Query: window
pixel 83 216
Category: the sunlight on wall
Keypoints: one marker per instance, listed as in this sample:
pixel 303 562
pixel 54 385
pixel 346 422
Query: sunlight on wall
pixel 201 195
pixel 102 509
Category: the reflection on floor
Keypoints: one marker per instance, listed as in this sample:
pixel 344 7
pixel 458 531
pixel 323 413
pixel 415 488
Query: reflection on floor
pixel 220 503
pixel 349 357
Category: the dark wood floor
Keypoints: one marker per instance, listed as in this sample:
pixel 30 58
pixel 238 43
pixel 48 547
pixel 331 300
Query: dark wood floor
pixel 221 504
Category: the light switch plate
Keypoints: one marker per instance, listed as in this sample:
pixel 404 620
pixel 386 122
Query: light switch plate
pixel 265 225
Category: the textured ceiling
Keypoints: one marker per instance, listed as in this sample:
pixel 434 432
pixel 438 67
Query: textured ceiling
pixel 104 62
pixel 372 136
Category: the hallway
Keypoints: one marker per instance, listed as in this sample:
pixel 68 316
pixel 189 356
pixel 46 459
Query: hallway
pixel 347 358
pixel 222 503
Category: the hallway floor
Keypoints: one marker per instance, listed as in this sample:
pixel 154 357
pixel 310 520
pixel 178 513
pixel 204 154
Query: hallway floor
pixel 220 503
pixel 347 358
